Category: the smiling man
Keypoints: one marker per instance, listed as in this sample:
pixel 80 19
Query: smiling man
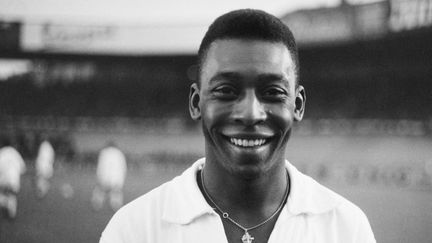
pixel 247 99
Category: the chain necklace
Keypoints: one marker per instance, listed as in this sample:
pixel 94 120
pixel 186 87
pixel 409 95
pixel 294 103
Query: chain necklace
pixel 246 238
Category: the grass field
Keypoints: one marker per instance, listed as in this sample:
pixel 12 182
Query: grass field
pixel 384 176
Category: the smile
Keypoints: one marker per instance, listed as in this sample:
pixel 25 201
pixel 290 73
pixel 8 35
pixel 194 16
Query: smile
pixel 247 143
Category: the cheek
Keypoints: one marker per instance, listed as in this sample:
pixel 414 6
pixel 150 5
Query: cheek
pixel 213 114
pixel 282 117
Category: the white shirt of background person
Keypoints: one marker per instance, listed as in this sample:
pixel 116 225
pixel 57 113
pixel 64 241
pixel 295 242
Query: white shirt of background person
pixel 111 173
pixel 12 166
pixel 44 167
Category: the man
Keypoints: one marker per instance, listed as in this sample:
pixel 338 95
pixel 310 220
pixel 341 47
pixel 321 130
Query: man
pixel 111 172
pixel 12 166
pixel 247 99
pixel 44 167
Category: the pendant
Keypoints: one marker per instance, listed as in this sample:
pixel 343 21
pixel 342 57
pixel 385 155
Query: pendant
pixel 247 238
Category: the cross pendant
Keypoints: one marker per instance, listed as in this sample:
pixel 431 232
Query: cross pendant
pixel 247 238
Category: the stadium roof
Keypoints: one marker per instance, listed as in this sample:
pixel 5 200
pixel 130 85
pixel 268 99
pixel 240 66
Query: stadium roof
pixel 323 25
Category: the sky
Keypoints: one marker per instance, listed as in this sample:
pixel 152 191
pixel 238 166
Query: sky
pixel 143 12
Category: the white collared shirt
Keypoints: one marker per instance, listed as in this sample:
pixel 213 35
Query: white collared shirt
pixel 111 168
pixel 45 160
pixel 177 212
pixel 12 166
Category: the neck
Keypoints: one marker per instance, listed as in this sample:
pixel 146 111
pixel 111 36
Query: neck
pixel 261 195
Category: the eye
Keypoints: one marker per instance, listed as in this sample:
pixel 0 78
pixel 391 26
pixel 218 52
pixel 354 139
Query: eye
pixel 274 93
pixel 225 91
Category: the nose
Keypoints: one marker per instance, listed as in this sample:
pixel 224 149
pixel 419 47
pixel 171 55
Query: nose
pixel 249 110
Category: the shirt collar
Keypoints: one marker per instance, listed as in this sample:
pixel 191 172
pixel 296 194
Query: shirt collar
pixel 184 201
pixel 308 196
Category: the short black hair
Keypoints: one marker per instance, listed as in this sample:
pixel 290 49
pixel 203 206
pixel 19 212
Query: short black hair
pixel 250 24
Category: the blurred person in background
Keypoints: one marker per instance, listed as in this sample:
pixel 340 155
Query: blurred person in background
pixel 110 173
pixel 44 167
pixel 12 166
pixel 247 99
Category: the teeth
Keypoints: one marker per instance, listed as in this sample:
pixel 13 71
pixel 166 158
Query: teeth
pixel 247 143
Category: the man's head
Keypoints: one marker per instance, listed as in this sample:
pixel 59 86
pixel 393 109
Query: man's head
pixel 248 24
pixel 248 97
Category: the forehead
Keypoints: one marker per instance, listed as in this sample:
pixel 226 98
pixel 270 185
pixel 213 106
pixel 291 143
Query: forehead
pixel 248 57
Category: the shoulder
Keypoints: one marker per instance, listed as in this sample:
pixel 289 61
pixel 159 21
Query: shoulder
pixel 151 215
pixel 141 215
pixel 327 210
pixel 328 201
pixel 111 151
pixel 10 151
pixel 352 223
pixel 11 155
pixel 347 220
pixel 143 218
pixel 348 212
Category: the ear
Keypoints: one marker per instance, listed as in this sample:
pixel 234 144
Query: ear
pixel 194 100
pixel 300 102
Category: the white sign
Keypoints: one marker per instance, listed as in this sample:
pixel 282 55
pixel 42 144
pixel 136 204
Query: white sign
pixel 410 14
pixel 60 36
pixel 117 40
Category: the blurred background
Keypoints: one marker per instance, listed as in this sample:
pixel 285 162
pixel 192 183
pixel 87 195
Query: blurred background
pixel 82 73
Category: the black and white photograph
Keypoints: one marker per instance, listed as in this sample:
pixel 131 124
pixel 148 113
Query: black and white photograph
pixel 285 121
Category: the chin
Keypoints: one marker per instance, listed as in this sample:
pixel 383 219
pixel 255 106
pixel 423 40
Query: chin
pixel 248 167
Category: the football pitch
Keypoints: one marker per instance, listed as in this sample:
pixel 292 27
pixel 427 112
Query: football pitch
pixel 395 195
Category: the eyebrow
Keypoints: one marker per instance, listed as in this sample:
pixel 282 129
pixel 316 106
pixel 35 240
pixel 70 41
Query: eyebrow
pixel 271 77
pixel 231 76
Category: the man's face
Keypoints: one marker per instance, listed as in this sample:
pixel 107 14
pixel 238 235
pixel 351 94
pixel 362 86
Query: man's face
pixel 247 104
